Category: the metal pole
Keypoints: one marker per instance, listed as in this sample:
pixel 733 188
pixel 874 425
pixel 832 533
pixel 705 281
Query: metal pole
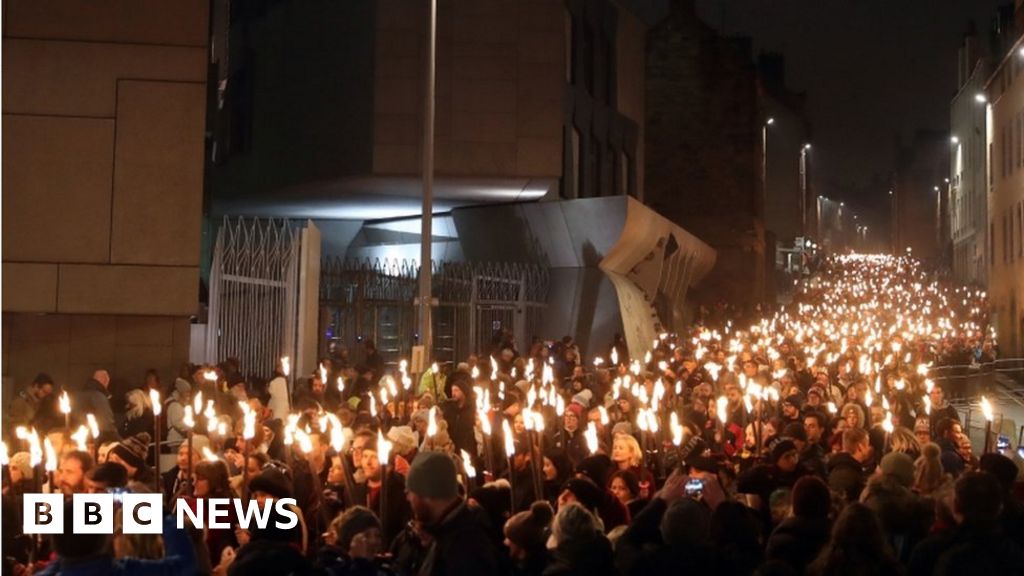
pixel 428 188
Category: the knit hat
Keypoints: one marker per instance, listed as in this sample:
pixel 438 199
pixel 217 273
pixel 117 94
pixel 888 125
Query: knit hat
pixel 622 428
pixel 110 474
pixel 779 447
pixel 794 399
pixel 583 398
pixel 574 523
pixel 352 522
pixel 922 425
pixel 685 523
pixel 899 466
pixel 432 475
pixel 199 442
pixel 529 529
pixel 41 379
pixel 271 481
pixel 816 391
pixel 133 449
pixel 494 498
pixel 182 386
pixel 587 493
pixel 811 498
pixel 595 467
pixel 575 409
pixel 403 438
pixel 22 462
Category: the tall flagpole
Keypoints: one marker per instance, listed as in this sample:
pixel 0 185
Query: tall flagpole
pixel 426 337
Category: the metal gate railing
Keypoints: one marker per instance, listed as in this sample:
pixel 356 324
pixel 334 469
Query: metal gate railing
pixel 363 299
pixel 253 294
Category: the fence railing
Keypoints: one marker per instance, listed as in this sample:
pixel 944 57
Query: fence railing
pixel 375 299
pixel 1001 381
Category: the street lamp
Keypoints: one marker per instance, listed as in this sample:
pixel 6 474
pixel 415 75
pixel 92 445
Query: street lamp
pixel 954 139
pixel 980 98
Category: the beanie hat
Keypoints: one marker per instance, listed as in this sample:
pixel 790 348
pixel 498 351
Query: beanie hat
pixel 686 522
pixel 583 398
pixel 41 379
pixel 22 462
pixel 182 386
pixel 899 466
pixel 352 522
pixel 811 498
pixel 432 475
pixel 574 523
pixel 587 493
pixel 595 467
pixel 575 409
pixel 133 449
pixel 273 482
pixel 110 474
pixel 816 391
pixel 494 498
pixel 199 442
pixel 796 431
pixel 622 428
pixel 794 399
pixel 529 529
pixel 779 447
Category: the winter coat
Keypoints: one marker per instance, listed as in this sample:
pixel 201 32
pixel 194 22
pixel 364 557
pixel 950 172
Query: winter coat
pixel 982 550
pixel 905 516
pixel 179 558
pixel 93 398
pixel 461 424
pixel 271 558
pixel 572 445
pixel 335 563
pixel 952 462
pixel 641 551
pixel 797 541
pixel 461 545
pixel 591 557
pixel 846 476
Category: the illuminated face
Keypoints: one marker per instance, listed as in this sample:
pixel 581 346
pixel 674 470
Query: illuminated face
pixel 550 472
pixel 336 474
pixel 813 429
pixel 571 420
pixel 457 394
pixel 358 443
pixel 936 396
pixel 620 490
pixel 202 486
pixel 518 426
pixel 370 464
pixel 366 544
pixel 923 437
pixel 852 419
pixel 72 477
pixel 621 451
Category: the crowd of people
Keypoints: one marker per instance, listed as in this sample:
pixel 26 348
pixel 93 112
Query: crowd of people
pixel 810 442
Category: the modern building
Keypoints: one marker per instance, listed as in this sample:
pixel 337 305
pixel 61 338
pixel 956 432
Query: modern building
pixel 103 126
pixel 967 190
pixel 539 154
pixel 1004 91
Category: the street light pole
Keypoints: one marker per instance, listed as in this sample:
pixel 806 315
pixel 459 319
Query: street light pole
pixel 426 228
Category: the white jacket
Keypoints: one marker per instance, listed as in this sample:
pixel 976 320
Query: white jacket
pixel 280 403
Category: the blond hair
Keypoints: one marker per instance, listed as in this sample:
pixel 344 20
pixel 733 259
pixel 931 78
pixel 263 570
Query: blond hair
pixel 636 455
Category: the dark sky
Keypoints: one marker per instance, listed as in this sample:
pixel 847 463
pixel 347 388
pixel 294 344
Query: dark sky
pixel 873 69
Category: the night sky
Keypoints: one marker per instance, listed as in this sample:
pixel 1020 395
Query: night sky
pixel 873 69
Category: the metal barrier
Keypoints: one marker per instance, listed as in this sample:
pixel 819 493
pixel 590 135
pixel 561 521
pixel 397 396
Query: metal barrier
pixel 364 299
pixel 1001 381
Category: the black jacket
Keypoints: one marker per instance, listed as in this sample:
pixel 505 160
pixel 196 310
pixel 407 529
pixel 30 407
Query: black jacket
pixel 797 541
pixel 461 423
pixel 461 545
pixel 591 557
pixel 94 399
pixel 642 552
pixel 967 550
pixel 846 476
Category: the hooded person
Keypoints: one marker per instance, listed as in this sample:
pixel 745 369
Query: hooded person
pixel 779 470
pixel 905 516
pixel 799 538
pixel 460 414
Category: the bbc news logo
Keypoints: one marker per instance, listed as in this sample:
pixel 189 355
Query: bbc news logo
pixel 144 513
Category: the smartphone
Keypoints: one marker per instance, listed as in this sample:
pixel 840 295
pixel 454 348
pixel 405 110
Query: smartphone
pixel 694 487
pixel 118 494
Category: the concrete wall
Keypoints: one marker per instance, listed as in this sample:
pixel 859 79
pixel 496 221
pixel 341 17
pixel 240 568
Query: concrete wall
pixel 103 121
pixel 968 202
pixel 500 78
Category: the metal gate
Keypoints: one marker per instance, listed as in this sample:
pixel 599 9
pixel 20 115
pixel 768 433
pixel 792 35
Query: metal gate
pixel 254 294
pixel 363 299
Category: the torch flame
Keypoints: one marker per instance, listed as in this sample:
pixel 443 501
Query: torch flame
pixel 65 403
pixel 154 399
pixel 986 409
pixel 510 445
